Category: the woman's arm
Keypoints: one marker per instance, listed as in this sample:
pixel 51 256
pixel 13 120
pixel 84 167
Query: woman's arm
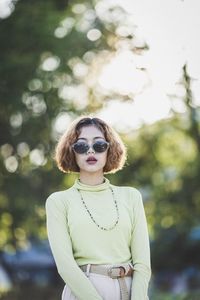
pixel 140 250
pixel 60 242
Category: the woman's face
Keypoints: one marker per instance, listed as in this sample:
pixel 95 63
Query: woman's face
pixel 91 161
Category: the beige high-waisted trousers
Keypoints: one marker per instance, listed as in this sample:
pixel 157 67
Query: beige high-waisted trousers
pixel 108 288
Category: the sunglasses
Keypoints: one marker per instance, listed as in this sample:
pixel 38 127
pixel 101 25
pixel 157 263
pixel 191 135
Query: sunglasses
pixel 82 147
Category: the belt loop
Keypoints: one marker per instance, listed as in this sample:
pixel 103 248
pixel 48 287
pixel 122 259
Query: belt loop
pixel 131 265
pixel 88 270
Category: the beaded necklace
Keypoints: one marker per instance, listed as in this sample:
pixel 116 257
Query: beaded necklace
pixel 102 227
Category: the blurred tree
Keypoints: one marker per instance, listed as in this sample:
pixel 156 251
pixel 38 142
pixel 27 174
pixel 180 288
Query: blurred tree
pixel 164 163
pixel 51 57
pixel 51 54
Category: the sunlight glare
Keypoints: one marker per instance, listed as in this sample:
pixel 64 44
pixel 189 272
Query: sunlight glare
pixel 60 124
pixel 37 157
pixel 93 34
pixel 171 31
pixel 51 63
pixel 152 105
pixel 6 8
pixel 148 107
pixel 11 164
pixel 122 116
pixel 122 76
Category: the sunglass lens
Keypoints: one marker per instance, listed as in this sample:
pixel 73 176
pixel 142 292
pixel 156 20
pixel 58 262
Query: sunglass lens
pixel 100 146
pixel 80 147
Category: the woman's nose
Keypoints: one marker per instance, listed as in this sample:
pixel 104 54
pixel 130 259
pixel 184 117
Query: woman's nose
pixel 90 150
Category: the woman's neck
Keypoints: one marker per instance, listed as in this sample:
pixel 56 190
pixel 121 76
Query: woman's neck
pixel 91 179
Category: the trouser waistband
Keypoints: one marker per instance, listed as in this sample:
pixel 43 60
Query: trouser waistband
pixel 118 272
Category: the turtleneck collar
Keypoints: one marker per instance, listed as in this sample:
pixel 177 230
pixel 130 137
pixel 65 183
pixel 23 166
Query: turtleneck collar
pixel 93 188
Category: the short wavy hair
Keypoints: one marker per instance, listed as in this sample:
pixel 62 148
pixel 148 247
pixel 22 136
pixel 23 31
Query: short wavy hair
pixel 64 154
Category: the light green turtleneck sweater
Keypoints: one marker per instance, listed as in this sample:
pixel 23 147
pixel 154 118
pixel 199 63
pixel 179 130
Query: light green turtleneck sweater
pixel 76 240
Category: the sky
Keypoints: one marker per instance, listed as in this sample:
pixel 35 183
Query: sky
pixel 172 31
pixel 171 28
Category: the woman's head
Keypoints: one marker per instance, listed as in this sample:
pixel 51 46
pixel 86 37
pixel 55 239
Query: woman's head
pixel 90 130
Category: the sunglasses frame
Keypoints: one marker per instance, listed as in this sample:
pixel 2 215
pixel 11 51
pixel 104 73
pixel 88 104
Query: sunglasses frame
pixel 107 143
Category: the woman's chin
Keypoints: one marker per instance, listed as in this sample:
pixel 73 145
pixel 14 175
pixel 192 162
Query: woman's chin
pixel 92 169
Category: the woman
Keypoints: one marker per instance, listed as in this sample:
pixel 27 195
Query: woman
pixel 97 231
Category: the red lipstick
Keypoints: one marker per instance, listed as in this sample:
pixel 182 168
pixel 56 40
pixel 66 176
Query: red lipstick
pixel 91 160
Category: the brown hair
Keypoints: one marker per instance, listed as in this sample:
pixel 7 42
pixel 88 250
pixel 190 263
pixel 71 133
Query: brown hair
pixel 64 154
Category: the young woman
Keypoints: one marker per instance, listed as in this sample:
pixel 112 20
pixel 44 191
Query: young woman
pixel 97 231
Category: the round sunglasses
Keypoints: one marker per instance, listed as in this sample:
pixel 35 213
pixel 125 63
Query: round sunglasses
pixel 83 147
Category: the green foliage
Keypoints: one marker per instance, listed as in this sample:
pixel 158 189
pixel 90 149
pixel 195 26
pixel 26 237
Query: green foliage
pixel 42 43
pixel 164 163
pixel 43 48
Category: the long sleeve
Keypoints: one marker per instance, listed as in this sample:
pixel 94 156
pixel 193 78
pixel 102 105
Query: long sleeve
pixel 60 243
pixel 140 250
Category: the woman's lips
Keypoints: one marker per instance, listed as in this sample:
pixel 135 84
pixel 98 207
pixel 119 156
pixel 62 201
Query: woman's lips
pixel 91 160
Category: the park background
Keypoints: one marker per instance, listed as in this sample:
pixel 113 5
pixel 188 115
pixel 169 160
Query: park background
pixel 133 63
